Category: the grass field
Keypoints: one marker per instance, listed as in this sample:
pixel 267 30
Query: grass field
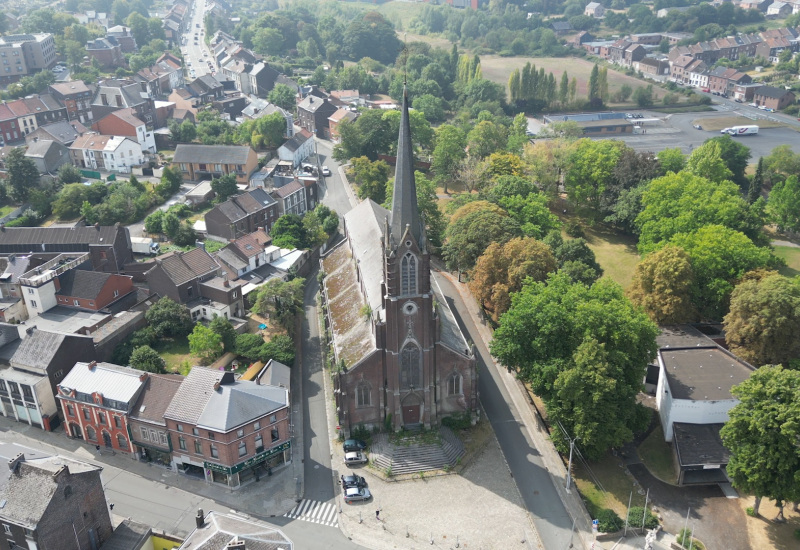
pixel 657 455
pixel 792 256
pixel 718 123
pixel 175 353
pixel 616 253
pixel 6 210
pixel 498 69
pixel 617 486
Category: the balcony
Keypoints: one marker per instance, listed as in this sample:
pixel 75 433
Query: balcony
pixel 52 269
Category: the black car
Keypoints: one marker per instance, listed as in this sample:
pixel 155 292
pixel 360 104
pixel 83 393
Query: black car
pixel 353 480
pixel 354 445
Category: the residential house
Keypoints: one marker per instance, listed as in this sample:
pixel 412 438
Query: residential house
pixel 723 80
pixel 29 384
pixel 198 162
pixel 581 38
pixel 561 27
pixel 109 247
pixel 206 89
pixel 336 118
pixel 242 214
pixel 697 71
pixel 229 431
pixel 665 11
pixel 779 10
pixel 122 35
pixel 62 132
pixel 261 107
pixel 76 97
pixel 594 9
pixel 771 48
pixel 693 397
pixel 342 98
pixel 125 123
pixel 36 110
pixel 184 99
pixel 313 113
pixel 216 530
pixel 745 92
pixel 47 155
pixel 163 77
pixel 53 502
pixel 230 107
pixel 148 428
pixel 244 254
pixel 291 198
pixel 12 306
pixel 647 38
pixel 9 130
pixel 96 401
pixel 109 153
pixel 653 66
pixel 200 193
pixel 65 281
pixel 297 149
pixel 192 278
pixel 773 98
pixel 107 51
pixel 113 95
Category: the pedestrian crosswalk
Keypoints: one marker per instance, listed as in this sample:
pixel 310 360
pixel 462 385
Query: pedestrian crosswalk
pixel 324 513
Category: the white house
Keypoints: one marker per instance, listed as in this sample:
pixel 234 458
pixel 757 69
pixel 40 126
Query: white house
pixel 297 149
pixel 594 9
pixel 122 153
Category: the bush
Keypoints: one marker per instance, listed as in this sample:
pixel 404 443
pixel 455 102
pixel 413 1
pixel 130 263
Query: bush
pixel 609 521
pixel 686 540
pixel 635 515
pixel 362 433
pixel 751 511
pixel 575 230
pixel 460 421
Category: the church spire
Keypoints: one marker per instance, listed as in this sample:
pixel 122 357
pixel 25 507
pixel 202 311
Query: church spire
pixel 405 212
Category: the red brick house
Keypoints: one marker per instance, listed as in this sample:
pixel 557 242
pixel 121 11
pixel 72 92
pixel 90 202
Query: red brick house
pixel 92 290
pixel 96 400
pixel 230 431
pixel 107 51
pixel 773 98
pixel 76 97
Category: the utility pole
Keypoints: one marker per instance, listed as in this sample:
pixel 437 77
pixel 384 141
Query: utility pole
pixel 569 466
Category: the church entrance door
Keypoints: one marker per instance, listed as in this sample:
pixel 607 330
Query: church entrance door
pixel 410 414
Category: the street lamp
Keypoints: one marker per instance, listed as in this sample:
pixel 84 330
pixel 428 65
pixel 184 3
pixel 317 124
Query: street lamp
pixel 569 465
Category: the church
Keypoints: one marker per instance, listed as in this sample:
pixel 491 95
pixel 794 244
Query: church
pixel 401 359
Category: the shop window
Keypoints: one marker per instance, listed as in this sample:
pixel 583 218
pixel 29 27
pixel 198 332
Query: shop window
pixel 275 435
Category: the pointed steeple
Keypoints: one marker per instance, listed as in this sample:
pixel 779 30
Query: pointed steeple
pixel 405 212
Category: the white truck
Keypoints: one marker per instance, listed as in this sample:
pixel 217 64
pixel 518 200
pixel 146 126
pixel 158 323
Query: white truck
pixel 142 245
pixel 740 131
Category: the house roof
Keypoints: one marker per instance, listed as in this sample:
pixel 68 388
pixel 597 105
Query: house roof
pixel 111 381
pixel 251 244
pixel 276 374
pixel 231 405
pixel 342 114
pixel 561 25
pixel 202 189
pixel 703 373
pixel 593 5
pixel 36 352
pixel 296 142
pixel 39 149
pixel 93 141
pixel 313 103
pixel 38 237
pixel 64 132
pixel 292 187
pixel 219 530
pixel 772 92
pixel 211 154
pixel 128 535
pixel 159 391
pixel 365 228
pixel 182 267
pixel 231 258
pixel 239 206
pixel 125 115
pixel 79 283
pixel 699 444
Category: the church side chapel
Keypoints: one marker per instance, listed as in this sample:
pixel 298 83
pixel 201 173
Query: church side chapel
pixel 402 359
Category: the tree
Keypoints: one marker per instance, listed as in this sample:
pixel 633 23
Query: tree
pixel 170 224
pixel 591 169
pixel 503 269
pixel 281 301
pixel 486 138
pixel 566 340
pixel 594 84
pixel 205 344
pixel 643 96
pixel 169 319
pixel 574 258
pixel 69 201
pixel 154 223
pixel 706 161
pixel 249 346
pixel 662 286
pixel 431 106
pixel 472 228
pixel 283 96
pixel 763 323
pixel 735 156
pixel 719 256
pixel 757 183
pixel 371 177
pixel 783 205
pixel 68 173
pixel 450 149
pixel 281 348
pixel 762 432
pixel 288 232
pixel 368 135
pixel 171 181
pixel 531 213
pixel 224 186
pixel 22 174
pixel 147 359
pixel 671 160
pixel 223 327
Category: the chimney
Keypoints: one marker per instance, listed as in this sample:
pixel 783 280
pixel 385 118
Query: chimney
pixel 199 519
pixel 216 384
pixel 30 330
pixel 236 545
pixel 92 365
pixel 97 226
pixel 14 462
pixel 226 284
pixel 200 244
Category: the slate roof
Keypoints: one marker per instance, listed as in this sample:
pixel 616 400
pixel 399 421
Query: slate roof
pixel 128 535
pixel 36 236
pixel 211 154
pixel 70 88
pixel 159 391
pixel 292 187
pixel 235 402
pixel 296 142
pixel 112 381
pixel 232 259
pixel 313 103
pixel 561 26
pixel 276 374
pixel 182 267
pixel 365 227
pixel 65 132
pixel 698 444
pixel 239 206
pixel 79 283
pixel 219 529
pixel 39 149
pixel 37 351
pixel 771 92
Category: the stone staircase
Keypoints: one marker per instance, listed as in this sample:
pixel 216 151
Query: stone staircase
pixel 416 454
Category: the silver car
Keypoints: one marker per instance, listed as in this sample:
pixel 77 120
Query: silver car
pixel 354 494
pixel 355 457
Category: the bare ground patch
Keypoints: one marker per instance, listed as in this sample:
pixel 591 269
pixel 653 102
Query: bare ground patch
pixel 718 123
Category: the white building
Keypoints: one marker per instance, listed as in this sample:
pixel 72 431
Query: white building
pixel 297 149
pixel 121 153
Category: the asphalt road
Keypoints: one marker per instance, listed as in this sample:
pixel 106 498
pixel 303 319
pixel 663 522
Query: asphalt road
pixel 332 190
pixel 197 56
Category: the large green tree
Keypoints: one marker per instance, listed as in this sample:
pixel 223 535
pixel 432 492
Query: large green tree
pixel 591 170
pixel 288 231
pixel 22 174
pixel 205 344
pixel 783 205
pixel 763 324
pixel 706 161
pixel 147 359
pixel 450 149
pixel 662 285
pixel 371 178
pixel 472 228
pixel 281 301
pixel 224 186
pixel 762 433
pixel 168 319
pixel 223 327
pixel 283 96
pixel 735 156
pixel 566 339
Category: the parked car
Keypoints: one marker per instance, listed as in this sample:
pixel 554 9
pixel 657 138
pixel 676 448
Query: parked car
pixel 737 100
pixel 354 445
pixel 353 480
pixel 326 171
pixel 355 457
pixel 354 494
pixel 705 90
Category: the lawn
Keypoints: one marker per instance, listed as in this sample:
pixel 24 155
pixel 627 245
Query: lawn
pixel 498 69
pixel 615 252
pixel 657 455
pixel 792 256
pixel 6 210
pixel 176 353
pixel 617 485
pixel 718 123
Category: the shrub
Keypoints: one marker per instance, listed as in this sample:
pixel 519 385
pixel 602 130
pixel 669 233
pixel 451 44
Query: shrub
pixel 686 540
pixel 575 230
pixel 751 511
pixel 609 521
pixel 362 433
pixel 460 421
pixel 635 515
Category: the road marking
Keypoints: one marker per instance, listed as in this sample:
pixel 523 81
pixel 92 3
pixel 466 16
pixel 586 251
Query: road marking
pixel 314 511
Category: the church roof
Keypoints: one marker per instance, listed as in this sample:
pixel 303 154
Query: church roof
pixel 364 225
pixel 405 212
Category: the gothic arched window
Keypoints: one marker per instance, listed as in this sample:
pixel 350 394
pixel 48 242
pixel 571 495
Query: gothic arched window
pixel 454 384
pixel 362 395
pixel 408 274
pixel 410 367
